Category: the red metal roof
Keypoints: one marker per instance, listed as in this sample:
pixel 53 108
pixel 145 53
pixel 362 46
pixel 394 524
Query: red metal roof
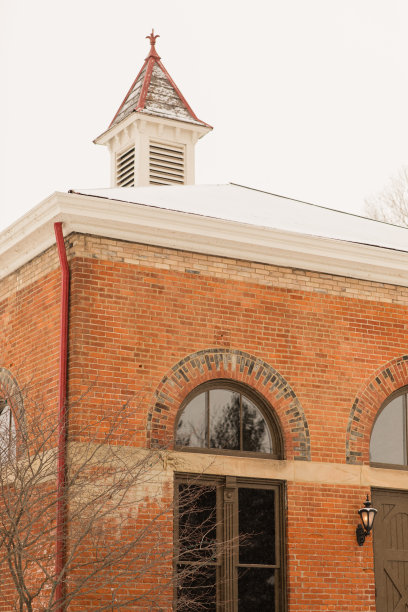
pixel 154 92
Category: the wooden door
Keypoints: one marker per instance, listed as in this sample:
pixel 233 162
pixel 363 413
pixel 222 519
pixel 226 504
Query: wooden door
pixel 391 550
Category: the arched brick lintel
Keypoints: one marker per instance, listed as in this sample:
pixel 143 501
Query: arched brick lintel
pixel 231 364
pixel 385 381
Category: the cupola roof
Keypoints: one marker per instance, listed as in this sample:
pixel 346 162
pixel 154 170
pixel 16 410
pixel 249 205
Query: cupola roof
pixel 154 92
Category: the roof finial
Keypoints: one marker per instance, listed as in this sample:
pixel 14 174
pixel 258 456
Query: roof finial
pixel 152 37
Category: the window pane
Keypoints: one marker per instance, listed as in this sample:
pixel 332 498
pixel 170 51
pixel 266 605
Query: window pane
pixel 256 436
pixel 196 589
pixel 224 419
pixel 7 433
pixel 388 443
pixel 192 426
pixel 257 526
pixel 211 571
pixel 256 589
pixel 197 523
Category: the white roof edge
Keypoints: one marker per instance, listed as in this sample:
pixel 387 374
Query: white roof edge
pixel 34 232
pixel 30 235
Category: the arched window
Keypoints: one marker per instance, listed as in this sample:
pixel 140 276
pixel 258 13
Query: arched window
pixel 388 444
pixel 11 410
pixel 7 433
pixel 228 417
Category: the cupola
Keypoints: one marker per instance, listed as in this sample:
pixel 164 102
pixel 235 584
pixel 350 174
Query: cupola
pixel 152 137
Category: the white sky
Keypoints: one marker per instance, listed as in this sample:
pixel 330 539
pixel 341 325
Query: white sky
pixel 308 98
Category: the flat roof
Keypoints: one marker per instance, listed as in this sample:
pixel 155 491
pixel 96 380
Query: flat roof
pixel 241 204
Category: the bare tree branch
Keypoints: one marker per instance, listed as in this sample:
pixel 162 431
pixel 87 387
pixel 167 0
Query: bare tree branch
pixel 121 513
pixel 391 204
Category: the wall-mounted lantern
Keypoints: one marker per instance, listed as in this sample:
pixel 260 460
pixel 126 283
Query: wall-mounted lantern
pixel 367 515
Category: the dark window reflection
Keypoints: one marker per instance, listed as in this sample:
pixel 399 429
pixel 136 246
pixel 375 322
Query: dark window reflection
pixel 224 419
pixel 257 526
pixel 197 523
pixel 197 588
pixel 203 561
pixel 256 590
pixel 256 436
pixel 192 426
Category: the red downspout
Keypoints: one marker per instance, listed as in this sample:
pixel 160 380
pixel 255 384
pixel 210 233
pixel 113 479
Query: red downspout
pixel 62 416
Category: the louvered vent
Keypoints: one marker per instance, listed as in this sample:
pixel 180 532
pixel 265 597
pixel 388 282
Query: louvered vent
pixel 125 168
pixel 166 164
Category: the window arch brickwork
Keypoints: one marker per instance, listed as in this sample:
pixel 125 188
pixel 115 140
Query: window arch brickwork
pixel 236 365
pixel 371 397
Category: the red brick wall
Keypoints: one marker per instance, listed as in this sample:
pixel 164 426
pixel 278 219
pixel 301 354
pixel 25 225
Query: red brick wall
pixel 131 323
pixel 29 350
pixel 29 329
pixel 137 311
pixel 327 571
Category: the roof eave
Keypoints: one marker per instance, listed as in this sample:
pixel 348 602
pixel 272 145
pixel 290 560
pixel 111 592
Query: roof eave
pixel 33 233
pixel 141 115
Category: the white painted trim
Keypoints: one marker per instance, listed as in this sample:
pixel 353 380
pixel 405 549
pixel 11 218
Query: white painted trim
pixel 137 130
pixel 34 233
pixel 196 129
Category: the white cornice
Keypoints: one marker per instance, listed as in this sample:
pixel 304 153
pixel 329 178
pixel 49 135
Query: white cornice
pixel 34 233
pixel 140 117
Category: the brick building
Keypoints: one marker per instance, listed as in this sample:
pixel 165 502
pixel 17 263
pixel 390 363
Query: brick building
pixel 265 339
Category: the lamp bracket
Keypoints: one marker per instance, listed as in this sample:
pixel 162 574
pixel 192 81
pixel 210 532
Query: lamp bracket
pixel 361 535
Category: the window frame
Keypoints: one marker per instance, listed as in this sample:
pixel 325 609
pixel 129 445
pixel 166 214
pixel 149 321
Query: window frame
pixel 265 409
pixel 224 483
pixel 402 391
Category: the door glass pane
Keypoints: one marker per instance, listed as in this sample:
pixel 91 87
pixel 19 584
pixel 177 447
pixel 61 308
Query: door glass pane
pixel 192 426
pixel 224 419
pixel 256 589
pixel 256 526
pixel 197 518
pixel 196 588
pixel 256 437
pixel 388 438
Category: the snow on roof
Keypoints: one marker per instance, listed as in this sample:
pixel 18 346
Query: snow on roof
pixel 258 208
